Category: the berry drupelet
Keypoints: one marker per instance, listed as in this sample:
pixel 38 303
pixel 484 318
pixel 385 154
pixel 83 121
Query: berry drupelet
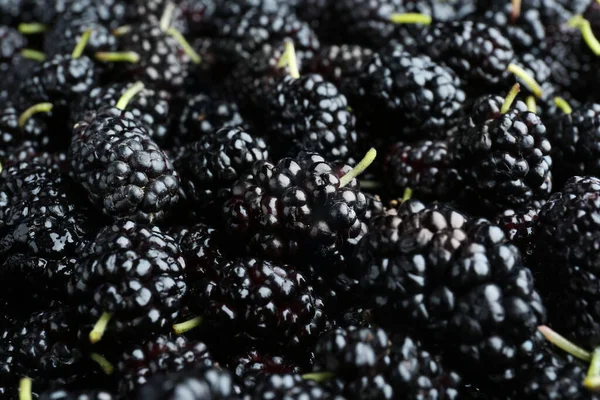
pixel 256 301
pixel 196 384
pixel 44 347
pixel 310 114
pixel 565 259
pixel 123 170
pixel 160 58
pixel 425 167
pixel 405 96
pixel 479 53
pixel 236 38
pixel 42 227
pixel 298 207
pixel 574 137
pixel 291 387
pixel 254 366
pixel 338 63
pixel 162 354
pixel 420 374
pixel 209 166
pixel 519 227
pixel 504 158
pixel 352 353
pixel 62 394
pixel 438 269
pixel 61 79
pixel 202 114
pixel 129 282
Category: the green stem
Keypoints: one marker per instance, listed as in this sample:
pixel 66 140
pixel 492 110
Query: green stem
pixel 593 370
pixel 318 376
pixel 78 50
pixel 185 45
pixel 589 37
pixel 410 18
pixel 360 167
pixel 510 98
pixel 531 104
pixel 129 94
pixel 183 327
pixel 124 56
pixel 563 343
pixel 106 366
pixel 32 28
pixel 527 79
pixel 25 389
pixel 563 105
pixel 34 55
pixel 98 331
pixel 407 194
pixel 36 108
pixel 167 16
pixel 121 30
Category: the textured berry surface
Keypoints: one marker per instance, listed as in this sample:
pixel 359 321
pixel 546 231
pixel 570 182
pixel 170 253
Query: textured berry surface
pixel 133 272
pixel 405 95
pixel 123 170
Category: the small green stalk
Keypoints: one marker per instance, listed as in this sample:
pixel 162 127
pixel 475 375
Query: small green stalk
pixel 34 55
pixel 36 108
pixel 407 194
pixel 527 79
pixel 167 16
pixel 510 98
pixel 129 94
pixel 124 56
pixel 25 389
pixel 410 18
pixel 360 167
pixel 78 50
pixel 289 58
pixel 563 105
pixel 106 366
pixel 563 343
pixel 32 28
pixel 318 376
pixel 98 331
pixel 185 45
pixel 187 325
pixel 593 373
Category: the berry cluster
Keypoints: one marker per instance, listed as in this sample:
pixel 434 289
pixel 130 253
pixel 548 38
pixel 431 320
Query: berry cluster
pixel 299 199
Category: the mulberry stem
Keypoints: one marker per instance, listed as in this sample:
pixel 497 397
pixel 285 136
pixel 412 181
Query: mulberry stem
pixel 289 58
pixel 527 79
pixel 515 11
pixel 106 366
pixel 564 344
pixel 98 331
pixel 78 50
pixel 183 327
pixel 318 376
pixel 510 98
pixel 187 48
pixel 407 194
pixel 34 55
pixel 360 167
pixel 563 105
pixel 531 104
pixel 25 389
pixel 129 94
pixel 116 56
pixel 593 374
pixel 32 28
pixel 34 109
pixel 167 16
pixel 410 18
